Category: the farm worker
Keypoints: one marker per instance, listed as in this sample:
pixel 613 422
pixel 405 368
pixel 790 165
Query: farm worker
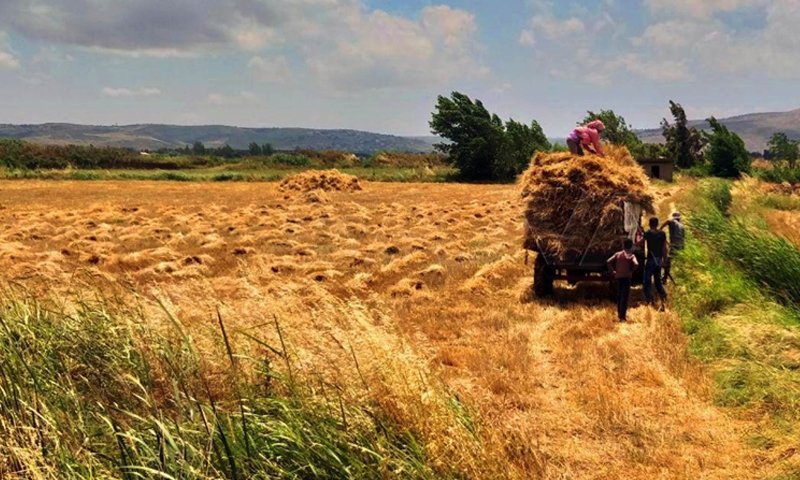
pixel 586 136
pixel 656 242
pixel 622 265
pixel 676 236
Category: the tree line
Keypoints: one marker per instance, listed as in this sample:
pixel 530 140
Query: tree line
pixel 484 148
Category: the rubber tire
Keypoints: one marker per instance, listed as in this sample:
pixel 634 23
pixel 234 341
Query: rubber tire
pixel 542 278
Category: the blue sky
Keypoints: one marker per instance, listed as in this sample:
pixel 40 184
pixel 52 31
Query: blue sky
pixel 379 64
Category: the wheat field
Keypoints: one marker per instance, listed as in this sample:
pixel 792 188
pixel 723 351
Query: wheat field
pixel 402 295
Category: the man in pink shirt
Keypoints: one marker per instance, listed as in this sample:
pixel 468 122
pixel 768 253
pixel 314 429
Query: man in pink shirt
pixel 587 136
pixel 621 266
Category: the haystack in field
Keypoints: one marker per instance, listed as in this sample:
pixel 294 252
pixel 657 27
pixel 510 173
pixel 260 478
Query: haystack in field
pixel 572 201
pixel 325 180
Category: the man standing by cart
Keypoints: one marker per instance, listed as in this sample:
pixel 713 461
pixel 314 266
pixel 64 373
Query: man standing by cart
pixel 676 238
pixel 622 265
pixel 656 243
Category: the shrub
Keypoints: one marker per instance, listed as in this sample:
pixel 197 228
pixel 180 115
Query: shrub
pixel 718 191
pixel 228 177
pixel 289 160
pixel 779 174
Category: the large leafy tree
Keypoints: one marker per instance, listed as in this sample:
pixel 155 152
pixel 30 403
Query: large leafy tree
pixel 480 145
pixel 617 131
pixel 782 148
pixel 520 142
pixel 726 151
pixel 682 143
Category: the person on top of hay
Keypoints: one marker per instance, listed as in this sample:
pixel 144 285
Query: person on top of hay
pixel 586 136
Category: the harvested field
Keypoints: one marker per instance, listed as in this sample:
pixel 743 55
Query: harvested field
pixel 424 286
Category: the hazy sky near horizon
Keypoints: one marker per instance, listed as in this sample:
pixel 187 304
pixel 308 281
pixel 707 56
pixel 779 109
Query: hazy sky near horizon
pixel 378 65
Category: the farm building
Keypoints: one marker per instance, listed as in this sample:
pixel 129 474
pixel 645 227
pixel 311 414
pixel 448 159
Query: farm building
pixel 660 168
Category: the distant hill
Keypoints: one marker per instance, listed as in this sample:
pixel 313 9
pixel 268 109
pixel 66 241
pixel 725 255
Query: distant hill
pixel 153 137
pixel 754 128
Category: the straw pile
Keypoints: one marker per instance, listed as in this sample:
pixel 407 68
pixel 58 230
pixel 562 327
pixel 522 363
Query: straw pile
pixel 570 200
pixel 325 180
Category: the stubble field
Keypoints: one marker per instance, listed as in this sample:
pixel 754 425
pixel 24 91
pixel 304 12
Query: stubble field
pixel 413 298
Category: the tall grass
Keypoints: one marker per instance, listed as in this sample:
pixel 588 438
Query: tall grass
pixel 780 202
pixel 735 290
pixel 770 260
pixel 91 391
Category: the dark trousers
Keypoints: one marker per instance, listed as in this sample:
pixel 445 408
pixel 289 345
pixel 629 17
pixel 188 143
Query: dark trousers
pixel 623 294
pixel 575 147
pixel 673 253
pixel 652 273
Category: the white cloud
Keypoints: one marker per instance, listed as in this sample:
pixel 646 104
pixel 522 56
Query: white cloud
pixel 551 28
pixel 242 98
pixel 8 60
pixel 701 8
pixel 345 44
pixel 527 38
pixel 360 50
pixel 710 44
pixel 686 39
pixel 127 92
pixel 276 69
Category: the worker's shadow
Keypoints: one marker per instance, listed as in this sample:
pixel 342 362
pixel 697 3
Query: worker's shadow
pixel 588 294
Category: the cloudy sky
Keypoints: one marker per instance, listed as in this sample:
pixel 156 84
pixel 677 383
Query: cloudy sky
pixel 379 64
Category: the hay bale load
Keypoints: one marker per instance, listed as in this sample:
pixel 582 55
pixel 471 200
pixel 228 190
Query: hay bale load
pixel 325 180
pixel 574 205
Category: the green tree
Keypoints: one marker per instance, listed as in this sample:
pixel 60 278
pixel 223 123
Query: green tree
pixel 255 149
pixel 617 131
pixel 480 145
pixel 782 148
pixel 521 141
pixel 198 148
pixel 726 151
pixel 267 149
pixel 683 144
pixel 227 151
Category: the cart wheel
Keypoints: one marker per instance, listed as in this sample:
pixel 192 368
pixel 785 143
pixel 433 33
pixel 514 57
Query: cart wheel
pixel 542 278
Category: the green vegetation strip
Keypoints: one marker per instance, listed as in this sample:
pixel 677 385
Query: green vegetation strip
pixel 737 292
pixel 93 393
pixel 271 174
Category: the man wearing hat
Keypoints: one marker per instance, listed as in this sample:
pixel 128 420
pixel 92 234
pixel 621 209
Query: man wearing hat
pixel 676 237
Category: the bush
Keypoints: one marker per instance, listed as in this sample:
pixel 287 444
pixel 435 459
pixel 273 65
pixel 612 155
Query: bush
pixel 718 191
pixel 779 174
pixel 228 177
pixel 288 159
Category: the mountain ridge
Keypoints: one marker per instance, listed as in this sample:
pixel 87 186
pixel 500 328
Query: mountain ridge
pixel 755 128
pixel 150 136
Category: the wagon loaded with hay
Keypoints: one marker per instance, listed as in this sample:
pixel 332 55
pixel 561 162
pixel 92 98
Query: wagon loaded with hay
pixel 578 211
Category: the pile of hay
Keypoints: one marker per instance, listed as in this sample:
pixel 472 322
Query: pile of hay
pixel 325 180
pixel 570 200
